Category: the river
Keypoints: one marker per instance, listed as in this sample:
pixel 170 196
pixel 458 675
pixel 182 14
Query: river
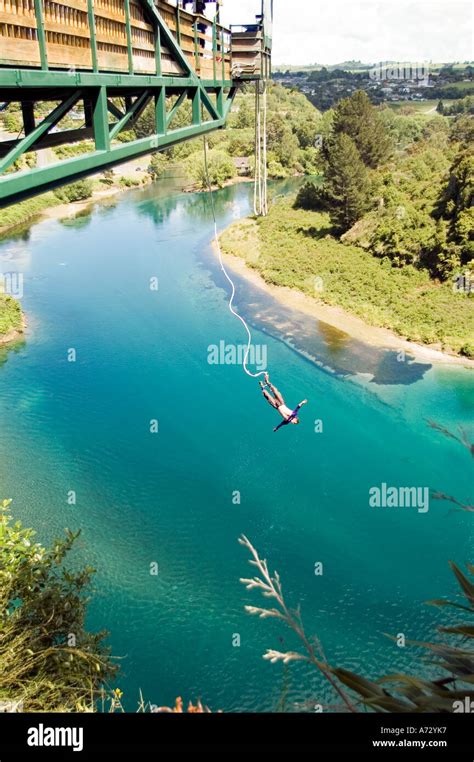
pixel 180 498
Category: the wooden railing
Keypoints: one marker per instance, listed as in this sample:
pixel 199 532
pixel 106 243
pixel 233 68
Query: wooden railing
pixel 207 46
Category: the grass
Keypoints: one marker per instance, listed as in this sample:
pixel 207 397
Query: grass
pixel 421 107
pixel 294 248
pixel 25 210
pixel 463 87
pixel 69 150
pixel 10 314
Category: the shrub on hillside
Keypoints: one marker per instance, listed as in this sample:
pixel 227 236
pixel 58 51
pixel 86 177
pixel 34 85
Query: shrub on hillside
pixel 79 191
pixel 49 661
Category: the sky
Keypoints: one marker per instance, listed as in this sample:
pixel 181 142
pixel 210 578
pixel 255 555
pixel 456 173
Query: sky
pixel 318 31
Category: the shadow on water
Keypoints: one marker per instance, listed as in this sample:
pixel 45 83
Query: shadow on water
pixel 80 220
pixel 21 232
pixel 330 348
pixel 15 347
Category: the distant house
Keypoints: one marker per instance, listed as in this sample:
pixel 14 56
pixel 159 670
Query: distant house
pixel 242 164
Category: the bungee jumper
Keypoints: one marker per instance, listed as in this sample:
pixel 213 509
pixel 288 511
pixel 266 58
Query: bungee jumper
pixel 264 26
pixel 275 399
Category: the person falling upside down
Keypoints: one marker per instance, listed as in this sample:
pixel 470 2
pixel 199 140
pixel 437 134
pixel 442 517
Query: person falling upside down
pixel 277 402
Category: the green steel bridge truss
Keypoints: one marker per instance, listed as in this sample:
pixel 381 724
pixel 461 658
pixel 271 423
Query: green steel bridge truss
pixel 211 101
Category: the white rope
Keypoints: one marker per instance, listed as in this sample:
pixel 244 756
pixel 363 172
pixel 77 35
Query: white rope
pixel 260 195
pixel 231 301
pixel 264 156
pixel 257 191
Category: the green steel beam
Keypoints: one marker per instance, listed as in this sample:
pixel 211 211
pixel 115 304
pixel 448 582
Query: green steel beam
pixel 223 53
pixel 214 49
pixel 96 89
pixel 166 36
pixel 100 120
pixel 48 122
pixel 220 101
pixel 19 185
pixel 159 68
pixel 114 110
pixel 176 106
pixel 128 27
pixel 196 105
pixel 90 14
pixel 41 34
pixel 160 112
pixel 176 51
pixel 229 101
pixel 135 109
pixel 28 114
pixel 50 139
pixel 197 59
pixel 178 26
pixel 36 78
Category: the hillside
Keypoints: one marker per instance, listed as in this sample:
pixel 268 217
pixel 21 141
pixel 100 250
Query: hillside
pixel 295 249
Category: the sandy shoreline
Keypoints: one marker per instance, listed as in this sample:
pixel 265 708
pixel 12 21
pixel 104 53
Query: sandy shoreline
pixel 63 211
pixel 343 321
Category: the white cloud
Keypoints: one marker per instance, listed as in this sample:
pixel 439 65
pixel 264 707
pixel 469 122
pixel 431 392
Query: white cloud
pixel 307 31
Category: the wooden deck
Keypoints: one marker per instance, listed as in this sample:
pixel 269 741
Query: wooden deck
pixel 68 38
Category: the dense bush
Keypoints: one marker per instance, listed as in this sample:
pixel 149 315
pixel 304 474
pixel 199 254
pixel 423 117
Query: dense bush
pixel 48 660
pixel 17 214
pixel 12 122
pixel 70 150
pixel 10 314
pixel 79 191
pixel 221 168
pixel 129 182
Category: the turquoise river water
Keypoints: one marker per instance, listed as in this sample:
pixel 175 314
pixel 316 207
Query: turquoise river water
pixel 169 497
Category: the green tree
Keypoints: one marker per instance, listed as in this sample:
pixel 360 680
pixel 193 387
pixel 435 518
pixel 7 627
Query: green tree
pixel 245 116
pixel 145 125
pixel 221 168
pixel 48 660
pixel 462 130
pixel 12 122
pixel 347 182
pixel 158 165
pixel 456 206
pixel 357 118
pixel 306 132
pixel 311 198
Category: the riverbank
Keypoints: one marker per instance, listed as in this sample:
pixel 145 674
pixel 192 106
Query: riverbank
pixel 12 336
pixel 12 320
pixel 49 207
pixel 242 253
